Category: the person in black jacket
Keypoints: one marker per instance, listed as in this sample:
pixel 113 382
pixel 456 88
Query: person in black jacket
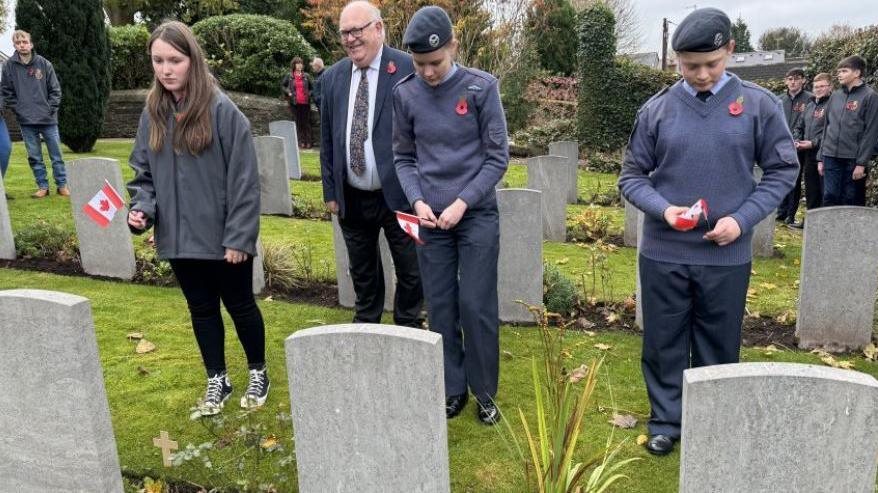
pixel 296 87
pixel 794 102
pixel 849 137
pixel 811 130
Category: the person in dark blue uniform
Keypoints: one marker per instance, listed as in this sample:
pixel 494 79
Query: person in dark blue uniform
pixel 450 150
pixel 698 140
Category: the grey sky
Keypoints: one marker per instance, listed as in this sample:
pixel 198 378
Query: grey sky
pixel 812 16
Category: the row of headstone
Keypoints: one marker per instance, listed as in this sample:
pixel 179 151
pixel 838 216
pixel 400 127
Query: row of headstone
pixel 7 240
pixel 778 427
pixel 286 129
pixel 346 438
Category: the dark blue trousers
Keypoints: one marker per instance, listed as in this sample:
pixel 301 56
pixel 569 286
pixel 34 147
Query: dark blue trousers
pixel 459 275
pixel 839 186
pixel 692 317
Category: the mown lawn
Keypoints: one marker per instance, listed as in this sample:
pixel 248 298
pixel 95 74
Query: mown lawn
pixel 152 392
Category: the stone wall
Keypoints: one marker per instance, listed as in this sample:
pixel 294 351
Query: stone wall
pixel 124 109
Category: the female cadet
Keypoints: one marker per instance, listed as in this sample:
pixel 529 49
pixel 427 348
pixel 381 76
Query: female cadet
pixel 450 150
pixel 196 181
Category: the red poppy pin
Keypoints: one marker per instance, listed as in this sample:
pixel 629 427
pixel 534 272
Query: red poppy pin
pixel 461 108
pixel 818 113
pixel 737 107
pixel 391 68
pixel 852 105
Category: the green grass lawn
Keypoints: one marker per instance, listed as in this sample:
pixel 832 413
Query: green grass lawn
pixel 153 392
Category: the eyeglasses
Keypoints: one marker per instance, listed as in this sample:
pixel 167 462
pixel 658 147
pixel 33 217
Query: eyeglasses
pixel 356 32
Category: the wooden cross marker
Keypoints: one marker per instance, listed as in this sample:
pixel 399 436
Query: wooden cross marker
pixel 166 445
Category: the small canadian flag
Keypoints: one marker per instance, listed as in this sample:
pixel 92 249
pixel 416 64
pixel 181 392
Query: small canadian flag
pixel 104 205
pixel 410 225
pixel 689 219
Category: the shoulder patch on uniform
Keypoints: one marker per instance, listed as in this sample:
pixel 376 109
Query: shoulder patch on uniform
pixel 405 79
pixel 474 88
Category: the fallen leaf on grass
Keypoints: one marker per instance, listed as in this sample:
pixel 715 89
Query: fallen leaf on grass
pixel 870 352
pixel 316 321
pixel 268 298
pixel 270 442
pixel 562 261
pixel 630 303
pixel 612 317
pixel 753 273
pixel 578 374
pixel 143 371
pixel 135 336
pixel 566 354
pixel 752 292
pixel 830 360
pixel 787 317
pixel 771 349
pixel 603 347
pixel 755 315
pixel 624 421
pixel 767 285
pixel 508 355
pixel 144 347
pixel 584 323
pixel 641 439
pixel 590 333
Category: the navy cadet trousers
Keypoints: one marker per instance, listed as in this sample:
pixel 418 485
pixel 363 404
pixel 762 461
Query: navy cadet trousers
pixel 692 317
pixel 459 274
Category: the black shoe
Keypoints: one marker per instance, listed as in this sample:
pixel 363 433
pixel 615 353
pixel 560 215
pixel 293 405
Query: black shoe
pixel 800 225
pixel 257 389
pixel 219 389
pixel 660 444
pixel 455 404
pixel 780 217
pixel 488 413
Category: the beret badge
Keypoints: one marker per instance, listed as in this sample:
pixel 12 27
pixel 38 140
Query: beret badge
pixel 434 40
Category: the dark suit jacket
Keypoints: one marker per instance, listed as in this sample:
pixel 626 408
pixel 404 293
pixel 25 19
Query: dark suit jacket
pixel 335 85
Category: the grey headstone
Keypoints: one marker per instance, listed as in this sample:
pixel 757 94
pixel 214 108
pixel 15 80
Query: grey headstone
pixel 105 251
pixel 763 234
pixel 7 240
pixel 258 268
pixel 632 216
pixel 839 278
pixel 274 185
pixel 287 130
pixel 570 150
pixel 368 409
pixel 778 427
pixel 346 295
pixel 520 275
pixel 550 175
pixel 55 432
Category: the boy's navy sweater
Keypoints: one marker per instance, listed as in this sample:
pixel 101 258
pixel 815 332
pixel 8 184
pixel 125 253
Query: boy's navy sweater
pixel 449 140
pixel 683 149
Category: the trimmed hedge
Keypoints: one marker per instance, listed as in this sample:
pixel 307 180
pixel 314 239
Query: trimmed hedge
pixel 251 53
pixel 611 90
pixel 131 66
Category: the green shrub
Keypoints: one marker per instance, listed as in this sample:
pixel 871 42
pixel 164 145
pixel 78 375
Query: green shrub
pixel 131 66
pixel 776 86
pixel 47 240
pixel 611 90
pixel 536 139
pixel 153 270
pixel 605 162
pixel 592 224
pixel 552 24
pixel 513 88
pixel 250 53
pixel 559 292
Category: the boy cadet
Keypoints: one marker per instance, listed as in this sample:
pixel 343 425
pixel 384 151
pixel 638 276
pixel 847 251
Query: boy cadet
pixel 811 129
pixel 794 102
pixel 698 140
pixel 849 137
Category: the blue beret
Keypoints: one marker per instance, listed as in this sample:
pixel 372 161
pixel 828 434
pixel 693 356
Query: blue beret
pixel 702 31
pixel 429 30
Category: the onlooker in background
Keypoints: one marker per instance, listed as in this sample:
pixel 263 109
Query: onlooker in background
pixel 794 103
pixel 297 86
pixel 851 130
pixel 31 89
pixel 812 133
pixel 317 68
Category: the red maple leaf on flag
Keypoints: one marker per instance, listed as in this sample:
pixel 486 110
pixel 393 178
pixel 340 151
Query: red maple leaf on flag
pixel 105 205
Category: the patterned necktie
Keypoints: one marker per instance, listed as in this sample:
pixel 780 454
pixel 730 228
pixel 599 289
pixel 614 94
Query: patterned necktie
pixel 704 95
pixel 360 125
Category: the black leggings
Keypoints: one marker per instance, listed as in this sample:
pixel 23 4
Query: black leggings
pixel 205 283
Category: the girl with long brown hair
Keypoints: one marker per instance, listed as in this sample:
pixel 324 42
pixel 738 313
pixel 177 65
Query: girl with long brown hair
pixel 196 182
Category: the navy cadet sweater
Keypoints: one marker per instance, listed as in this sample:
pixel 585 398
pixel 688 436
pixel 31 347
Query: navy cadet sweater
pixel 683 150
pixel 449 141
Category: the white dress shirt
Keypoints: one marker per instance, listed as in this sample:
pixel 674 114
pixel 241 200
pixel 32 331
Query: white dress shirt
pixel 369 180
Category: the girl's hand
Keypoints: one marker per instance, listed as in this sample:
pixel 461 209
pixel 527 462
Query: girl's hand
pixel 452 214
pixel 425 214
pixel 137 220
pixel 235 256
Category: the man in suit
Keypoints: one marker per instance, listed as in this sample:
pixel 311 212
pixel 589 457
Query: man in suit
pixel 356 158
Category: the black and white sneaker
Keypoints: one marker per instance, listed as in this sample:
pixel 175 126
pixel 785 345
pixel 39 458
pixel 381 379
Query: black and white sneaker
pixel 219 389
pixel 257 389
